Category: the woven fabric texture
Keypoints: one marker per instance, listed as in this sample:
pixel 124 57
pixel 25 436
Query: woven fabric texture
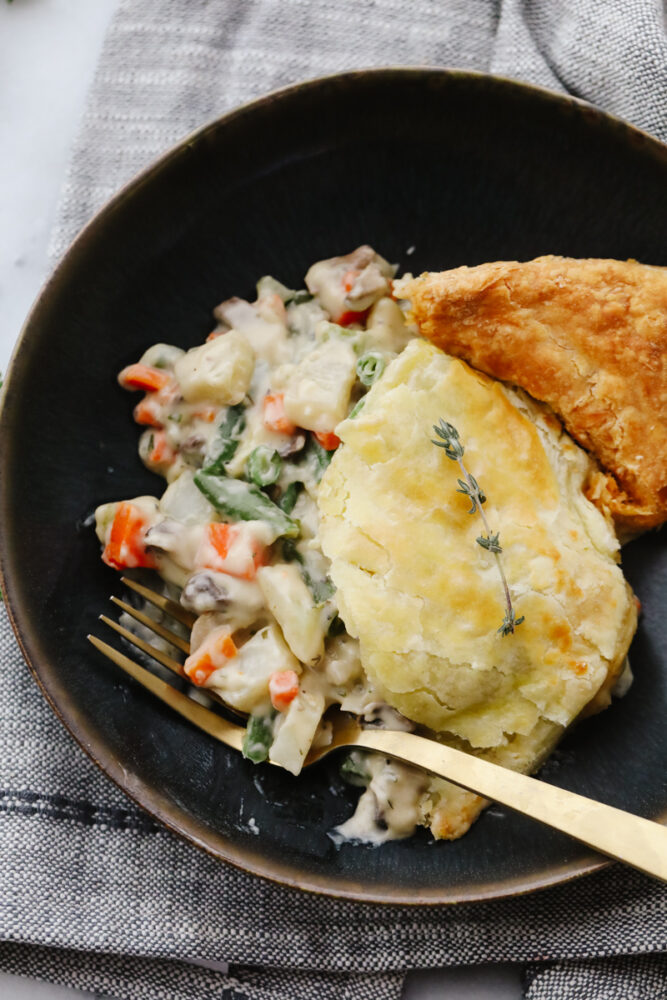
pixel 94 894
pixel 642 977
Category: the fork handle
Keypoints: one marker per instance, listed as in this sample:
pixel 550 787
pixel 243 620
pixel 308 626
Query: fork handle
pixel 636 841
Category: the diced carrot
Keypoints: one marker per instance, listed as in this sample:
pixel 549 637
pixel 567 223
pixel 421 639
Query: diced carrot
pixel 126 547
pixel 271 306
pixel 216 649
pixel 161 452
pixel 214 334
pixel 275 418
pixel 249 553
pixel 206 413
pixel 349 317
pixel 199 668
pixel 349 279
pixel 221 537
pixel 283 688
pixel 227 647
pixel 144 377
pixel 147 412
pixel 327 439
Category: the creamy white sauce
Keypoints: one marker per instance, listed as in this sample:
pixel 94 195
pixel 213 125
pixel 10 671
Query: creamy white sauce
pixel 389 808
pixel 295 351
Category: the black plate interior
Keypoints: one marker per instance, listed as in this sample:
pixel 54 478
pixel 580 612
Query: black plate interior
pixel 463 168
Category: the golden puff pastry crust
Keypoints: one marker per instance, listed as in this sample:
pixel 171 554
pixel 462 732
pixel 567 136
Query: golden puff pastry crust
pixel 425 600
pixel 588 337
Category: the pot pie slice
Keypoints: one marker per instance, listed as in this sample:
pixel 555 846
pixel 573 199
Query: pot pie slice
pixel 588 337
pixel 425 600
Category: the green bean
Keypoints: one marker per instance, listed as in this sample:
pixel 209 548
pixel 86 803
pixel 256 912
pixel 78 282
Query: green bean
pixel 264 465
pixel 258 738
pixel 321 590
pixel 289 551
pixel 229 431
pixel 353 769
pixel 316 458
pixel 244 502
pixel 356 409
pixel 289 498
pixel 369 367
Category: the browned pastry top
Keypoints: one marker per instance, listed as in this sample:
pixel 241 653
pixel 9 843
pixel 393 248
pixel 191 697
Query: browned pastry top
pixel 588 337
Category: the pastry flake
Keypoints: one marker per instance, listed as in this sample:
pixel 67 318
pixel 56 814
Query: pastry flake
pixel 588 337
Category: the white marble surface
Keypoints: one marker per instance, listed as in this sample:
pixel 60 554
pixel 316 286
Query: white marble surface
pixel 48 52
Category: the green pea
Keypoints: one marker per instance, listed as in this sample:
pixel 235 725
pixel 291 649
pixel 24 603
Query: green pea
pixel 369 367
pixel 258 738
pixel 264 465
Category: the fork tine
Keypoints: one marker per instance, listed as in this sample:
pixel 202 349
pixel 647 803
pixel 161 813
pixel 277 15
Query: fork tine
pixel 157 654
pixel 165 633
pixel 170 607
pixel 162 658
pixel 217 727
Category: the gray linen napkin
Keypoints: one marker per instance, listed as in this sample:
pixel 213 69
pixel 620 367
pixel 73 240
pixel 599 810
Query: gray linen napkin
pixel 93 893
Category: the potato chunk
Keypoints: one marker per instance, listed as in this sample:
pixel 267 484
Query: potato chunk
pixel 291 604
pixel 317 395
pixel 244 681
pixel 219 371
pixel 297 730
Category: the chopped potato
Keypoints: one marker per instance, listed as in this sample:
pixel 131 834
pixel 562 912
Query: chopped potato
pixel 386 328
pixel 297 730
pixel 317 395
pixel 219 371
pixel 291 604
pixel 244 680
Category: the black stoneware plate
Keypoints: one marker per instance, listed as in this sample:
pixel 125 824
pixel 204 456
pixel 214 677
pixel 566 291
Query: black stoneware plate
pixel 466 169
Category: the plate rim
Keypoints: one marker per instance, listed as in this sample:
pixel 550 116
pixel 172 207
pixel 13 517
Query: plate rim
pixel 193 831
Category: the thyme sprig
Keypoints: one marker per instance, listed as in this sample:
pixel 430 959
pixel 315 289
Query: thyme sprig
pixel 448 439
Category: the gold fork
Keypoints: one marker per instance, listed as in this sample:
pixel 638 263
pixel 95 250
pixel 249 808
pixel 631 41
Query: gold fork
pixel 639 842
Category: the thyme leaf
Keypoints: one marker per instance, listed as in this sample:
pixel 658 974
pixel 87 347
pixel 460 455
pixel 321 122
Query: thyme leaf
pixel 448 439
pixel 510 622
pixel 490 542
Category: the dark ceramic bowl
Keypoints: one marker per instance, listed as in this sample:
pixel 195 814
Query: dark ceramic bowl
pixel 466 169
